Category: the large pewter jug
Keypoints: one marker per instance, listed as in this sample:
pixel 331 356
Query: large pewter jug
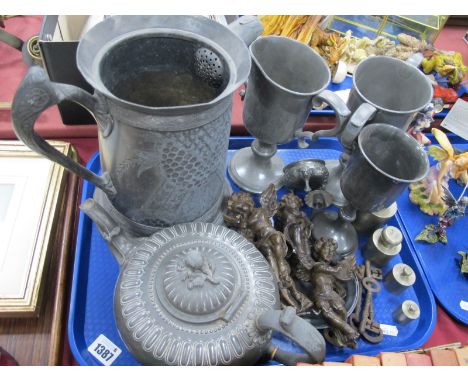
pixel 163 96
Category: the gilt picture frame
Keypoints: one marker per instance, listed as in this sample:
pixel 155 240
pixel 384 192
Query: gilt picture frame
pixel 31 188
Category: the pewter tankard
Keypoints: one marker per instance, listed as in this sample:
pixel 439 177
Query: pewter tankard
pixel 162 100
pixel 397 89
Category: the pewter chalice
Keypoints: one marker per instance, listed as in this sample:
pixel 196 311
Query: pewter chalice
pixel 286 79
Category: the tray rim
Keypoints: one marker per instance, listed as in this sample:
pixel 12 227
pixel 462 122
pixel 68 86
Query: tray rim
pixel 422 263
pixel 234 143
pixel 72 340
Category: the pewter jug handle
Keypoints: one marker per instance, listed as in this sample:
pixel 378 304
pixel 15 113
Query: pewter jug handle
pixel 35 94
pixel 298 330
pixel 341 111
pixel 360 117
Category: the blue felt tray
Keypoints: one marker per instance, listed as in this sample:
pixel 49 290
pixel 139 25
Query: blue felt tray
pixel 440 261
pixel 96 271
pixel 348 84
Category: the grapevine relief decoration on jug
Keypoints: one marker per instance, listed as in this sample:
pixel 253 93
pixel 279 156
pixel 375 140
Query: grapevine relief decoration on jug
pixel 176 165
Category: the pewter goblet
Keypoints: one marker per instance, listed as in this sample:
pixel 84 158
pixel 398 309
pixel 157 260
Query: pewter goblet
pixel 287 77
pixel 397 89
pixel 382 165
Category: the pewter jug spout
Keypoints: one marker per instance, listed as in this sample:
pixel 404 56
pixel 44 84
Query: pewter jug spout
pixel 248 28
pixel 120 242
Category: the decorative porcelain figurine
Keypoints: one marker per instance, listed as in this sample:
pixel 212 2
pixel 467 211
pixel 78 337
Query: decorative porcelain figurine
pixel 433 233
pixel 255 224
pixel 463 262
pixel 429 193
pixel 422 121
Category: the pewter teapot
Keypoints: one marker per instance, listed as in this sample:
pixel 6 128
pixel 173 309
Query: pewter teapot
pixel 162 99
pixel 199 294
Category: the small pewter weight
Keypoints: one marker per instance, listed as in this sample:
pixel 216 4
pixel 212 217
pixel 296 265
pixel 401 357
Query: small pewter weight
pixel 367 222
pixel 406 312
pixel 399 278
pixel 384 244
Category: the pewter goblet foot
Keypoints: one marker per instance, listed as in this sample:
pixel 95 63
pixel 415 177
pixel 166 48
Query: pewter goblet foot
pixel 255 168
pixel 335 169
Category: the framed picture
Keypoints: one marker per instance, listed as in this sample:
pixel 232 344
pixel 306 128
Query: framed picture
pixel 31 189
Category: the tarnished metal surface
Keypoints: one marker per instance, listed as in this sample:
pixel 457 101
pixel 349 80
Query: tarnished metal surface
pixel 395 88
pixel 286 76
pixel 199 294
pixel 163 96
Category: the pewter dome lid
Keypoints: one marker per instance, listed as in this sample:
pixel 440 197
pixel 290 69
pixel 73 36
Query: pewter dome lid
pixel 197 280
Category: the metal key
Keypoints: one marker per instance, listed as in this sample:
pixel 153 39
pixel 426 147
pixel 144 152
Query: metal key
pixel 368 328
pixel 355 317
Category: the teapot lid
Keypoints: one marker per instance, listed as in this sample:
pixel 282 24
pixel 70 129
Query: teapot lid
pixel 196 279
pixel 191 294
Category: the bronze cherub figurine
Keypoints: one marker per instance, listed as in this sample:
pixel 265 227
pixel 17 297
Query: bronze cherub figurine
pixel 256 225
pixel 328 294
pixel 297 229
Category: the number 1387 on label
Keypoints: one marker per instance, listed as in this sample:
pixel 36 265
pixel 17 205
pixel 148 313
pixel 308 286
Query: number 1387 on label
pixel 104 350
